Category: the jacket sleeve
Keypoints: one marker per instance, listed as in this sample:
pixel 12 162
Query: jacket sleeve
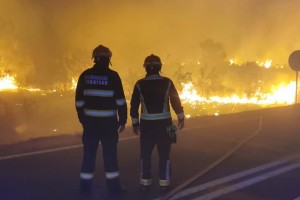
pixel 121 102
pixel 176 103
pixel 134 106
pixel 79 98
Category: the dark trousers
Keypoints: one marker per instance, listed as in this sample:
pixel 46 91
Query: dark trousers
pixel 107 134
pixel 154 133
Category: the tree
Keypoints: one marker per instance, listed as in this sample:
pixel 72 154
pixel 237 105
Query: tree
pixel 213 66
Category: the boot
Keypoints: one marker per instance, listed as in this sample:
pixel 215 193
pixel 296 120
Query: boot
pixel 86 187
pixel 114 187
pixel 164 189
pixel 145 188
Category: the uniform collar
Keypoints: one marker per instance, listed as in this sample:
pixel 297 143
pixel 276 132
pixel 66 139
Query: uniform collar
pixel 153 77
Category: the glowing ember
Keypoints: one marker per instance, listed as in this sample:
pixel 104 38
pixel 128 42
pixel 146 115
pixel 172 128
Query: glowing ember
pixel 8 83
pixel 268 64
pixel 33 89
pixel 231 61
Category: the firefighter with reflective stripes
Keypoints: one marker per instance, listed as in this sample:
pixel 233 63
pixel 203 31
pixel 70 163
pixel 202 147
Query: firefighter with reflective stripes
pixel 155 93
pixel 102 111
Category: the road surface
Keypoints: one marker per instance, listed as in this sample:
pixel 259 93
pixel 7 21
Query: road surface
pixel 265 167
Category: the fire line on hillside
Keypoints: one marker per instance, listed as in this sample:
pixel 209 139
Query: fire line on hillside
pixel 282 94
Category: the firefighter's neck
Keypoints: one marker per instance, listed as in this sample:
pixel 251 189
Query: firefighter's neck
pixel 152 74
pixel 101 66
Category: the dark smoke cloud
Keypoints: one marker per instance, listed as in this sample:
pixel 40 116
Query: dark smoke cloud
pixel 48 41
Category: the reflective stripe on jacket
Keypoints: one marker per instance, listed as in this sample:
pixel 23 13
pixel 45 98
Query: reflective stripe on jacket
pixel 99 93
pixel 154 93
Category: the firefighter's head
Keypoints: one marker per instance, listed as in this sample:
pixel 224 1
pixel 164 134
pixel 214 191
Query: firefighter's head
pixel 102 55
pixel 152 64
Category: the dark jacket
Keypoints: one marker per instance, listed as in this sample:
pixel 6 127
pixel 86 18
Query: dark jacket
pixel 99 94
pixel 154 93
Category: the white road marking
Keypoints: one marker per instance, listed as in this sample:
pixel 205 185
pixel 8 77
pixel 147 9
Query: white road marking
pixel 219 124
pixel 52 150
pixel 121 139
pixel 232 177
pixel 248 182
pixel 212 165
pixel 298 198
pixel 234 121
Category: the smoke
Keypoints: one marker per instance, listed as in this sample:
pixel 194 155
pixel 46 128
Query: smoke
pixel 48 41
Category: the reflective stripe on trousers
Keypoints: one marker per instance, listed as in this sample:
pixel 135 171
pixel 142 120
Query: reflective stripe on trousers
pixel 86 176
pixel 146 182
pixel 164 182
pixel 112 175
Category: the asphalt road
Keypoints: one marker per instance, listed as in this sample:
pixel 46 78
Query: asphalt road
pixel 266 167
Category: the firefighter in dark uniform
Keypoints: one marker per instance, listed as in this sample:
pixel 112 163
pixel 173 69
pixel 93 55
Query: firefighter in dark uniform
pixel 155 93
pixel 102 111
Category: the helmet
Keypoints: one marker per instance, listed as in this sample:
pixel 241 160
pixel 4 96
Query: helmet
pixel 101 51
pixel 152 61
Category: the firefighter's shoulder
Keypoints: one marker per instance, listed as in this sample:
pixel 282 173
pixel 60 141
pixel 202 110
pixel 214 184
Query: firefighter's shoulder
pixel 139 81
pixel 167 79
pixel 85 72
pixel 113 73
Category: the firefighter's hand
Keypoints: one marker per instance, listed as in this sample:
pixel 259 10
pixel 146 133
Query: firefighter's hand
pixel 136 130
pixel 180 124
pixel 121 128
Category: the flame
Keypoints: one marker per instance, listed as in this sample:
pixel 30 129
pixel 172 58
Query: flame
pixel 281 94
pixel 8 83
pixel 266 64
pixel 231 61
pixel 235 61
pixel 33 89
pixel 190 95
pixel 74 83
